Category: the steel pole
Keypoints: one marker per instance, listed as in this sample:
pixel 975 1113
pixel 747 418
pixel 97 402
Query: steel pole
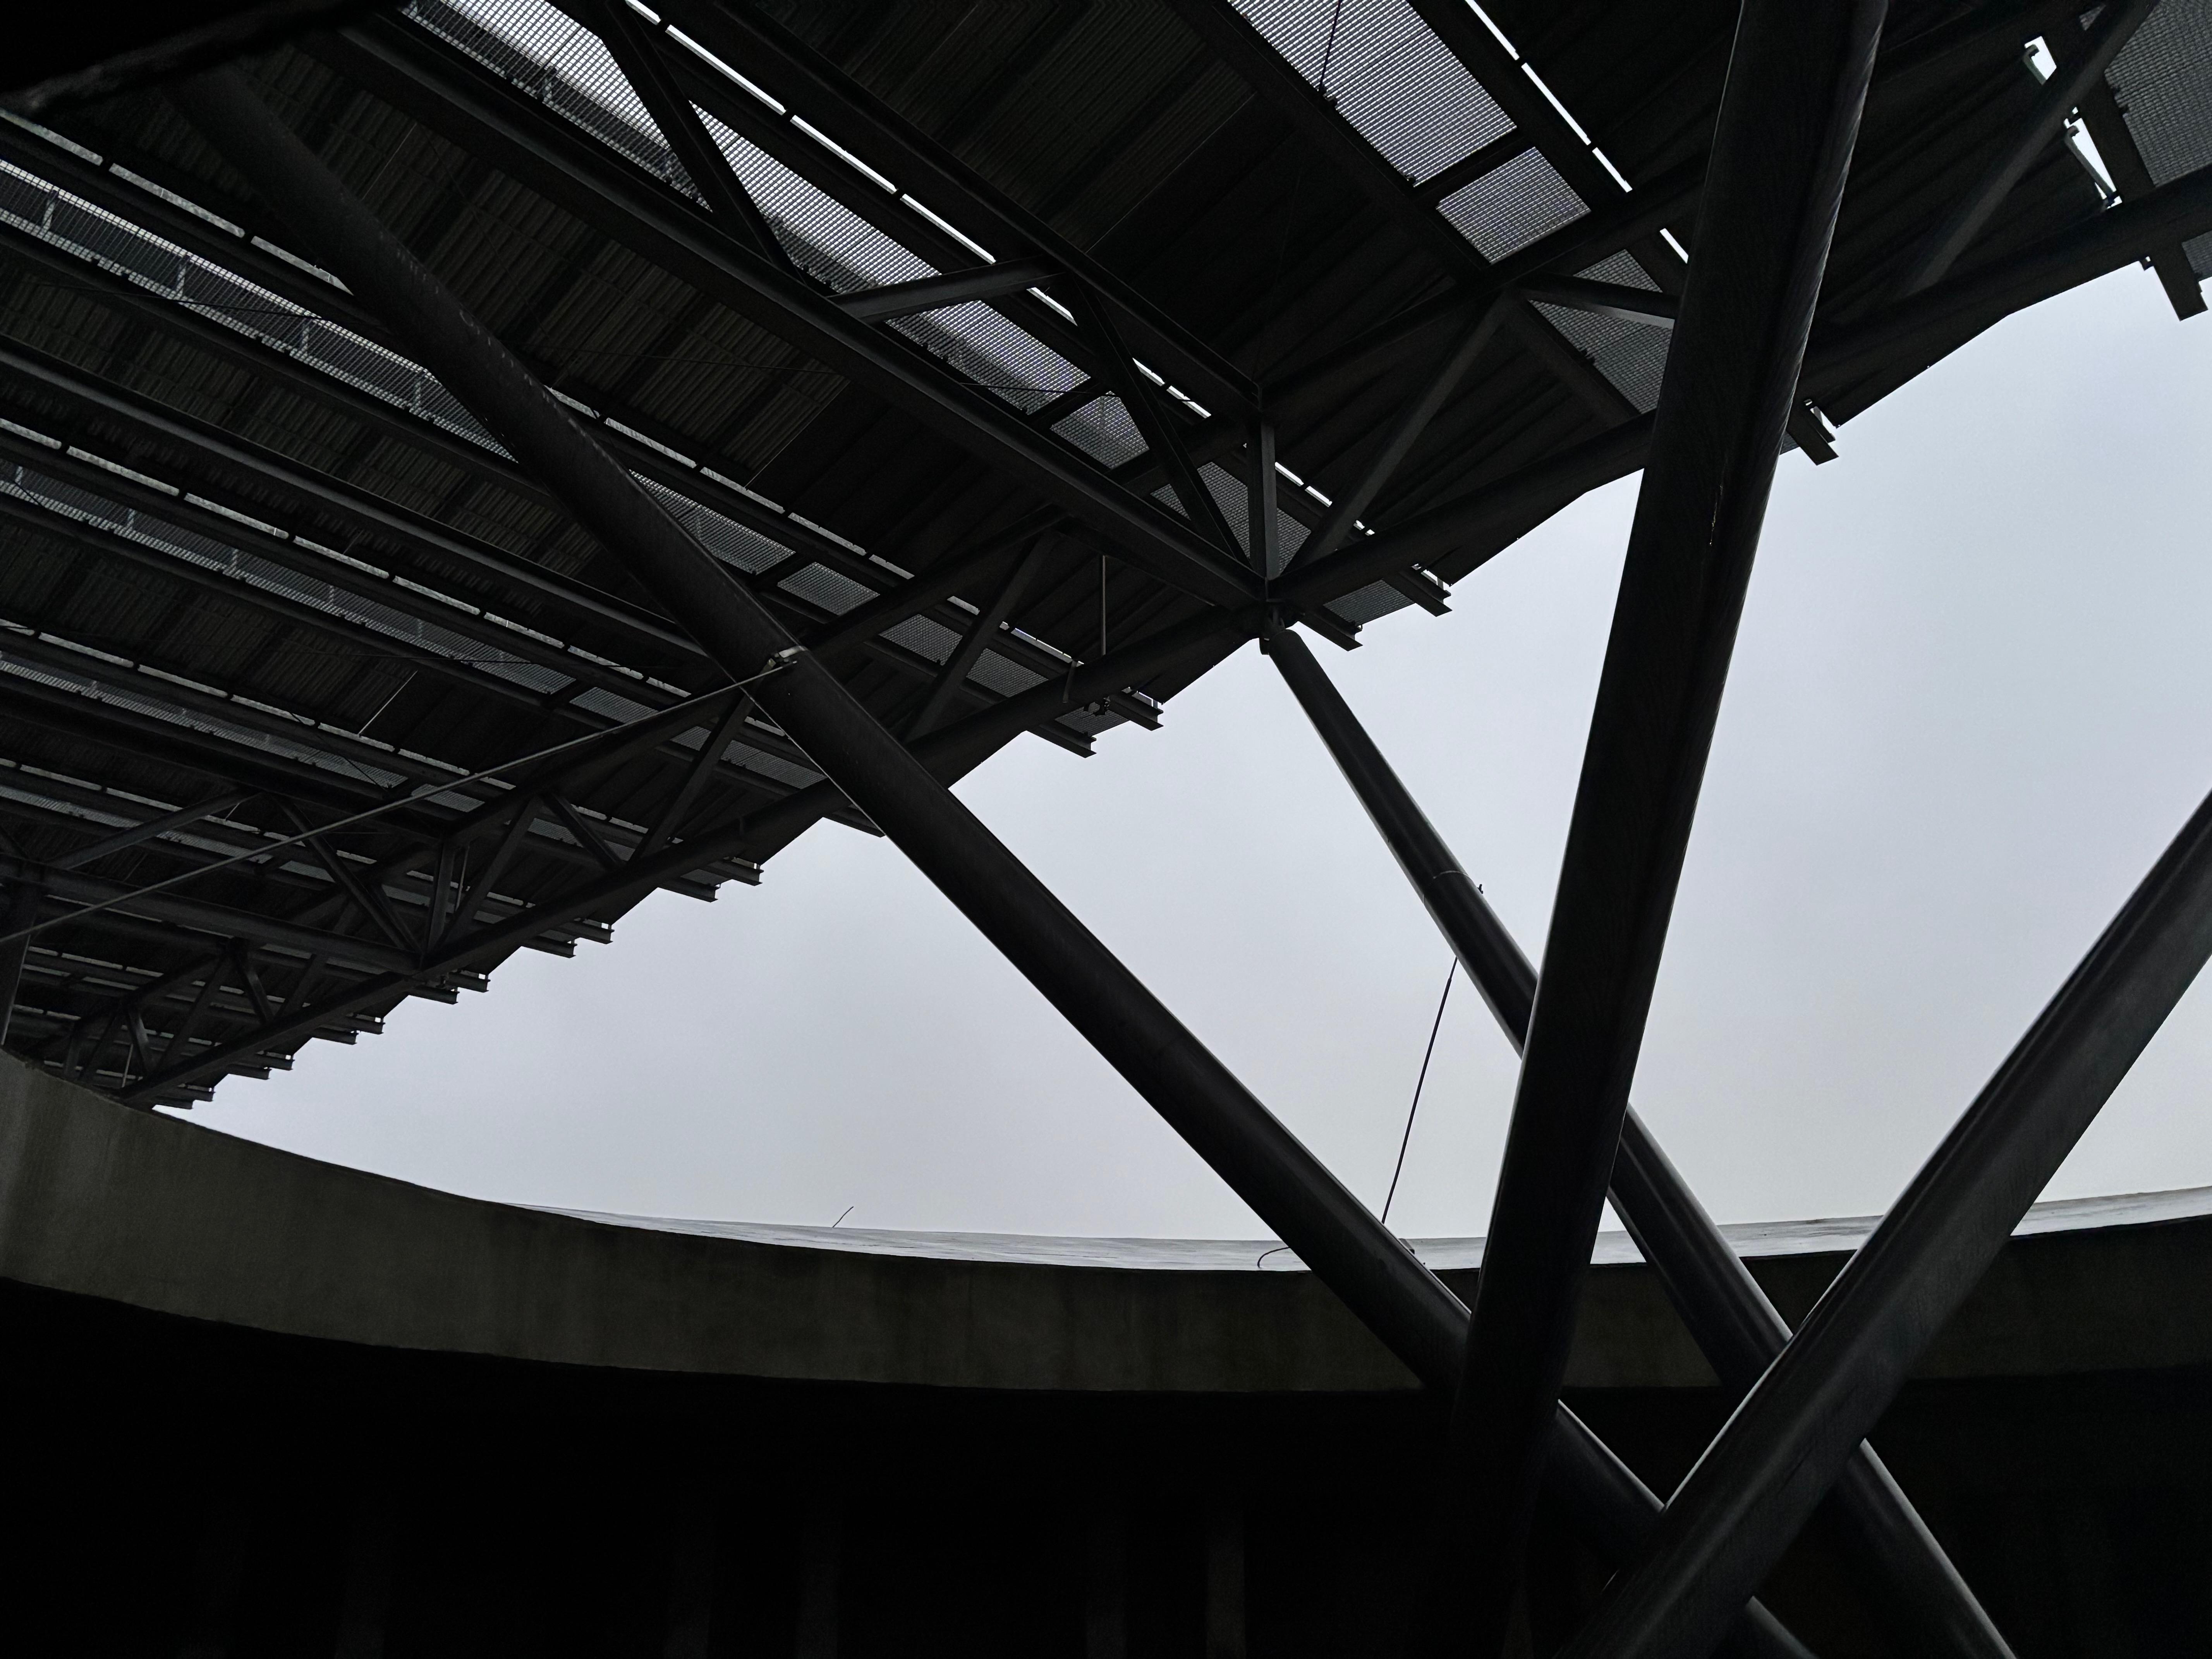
pixel 1735 1324
pixel 1781 149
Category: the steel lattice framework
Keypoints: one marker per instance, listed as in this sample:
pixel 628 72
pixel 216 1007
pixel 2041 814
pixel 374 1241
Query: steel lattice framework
pixel 664 428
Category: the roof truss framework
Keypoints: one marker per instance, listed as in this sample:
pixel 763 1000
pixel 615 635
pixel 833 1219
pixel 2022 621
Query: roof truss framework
pixel 1211 540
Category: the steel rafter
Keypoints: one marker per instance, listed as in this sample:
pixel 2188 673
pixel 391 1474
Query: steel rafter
pixel 451 96
pixel 881 305
pixel 1738 1330
pixel 980 634
pixel 869 128
pixel 840 636
pixel 2084 68
pixel 75 56
pixel 1781 149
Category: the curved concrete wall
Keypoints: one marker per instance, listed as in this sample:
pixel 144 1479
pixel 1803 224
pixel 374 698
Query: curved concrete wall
pixel 161 1214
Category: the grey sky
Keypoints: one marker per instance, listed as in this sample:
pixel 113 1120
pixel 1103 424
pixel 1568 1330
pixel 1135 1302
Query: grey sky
pixel 1971 701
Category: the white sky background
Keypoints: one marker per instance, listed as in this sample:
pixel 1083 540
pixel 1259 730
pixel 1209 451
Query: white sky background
pixel 1971 701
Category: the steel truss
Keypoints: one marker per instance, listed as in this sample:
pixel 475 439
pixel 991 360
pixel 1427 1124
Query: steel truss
pixel 427 915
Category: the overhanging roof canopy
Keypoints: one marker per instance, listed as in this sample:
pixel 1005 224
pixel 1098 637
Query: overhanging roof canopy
pixel 974 379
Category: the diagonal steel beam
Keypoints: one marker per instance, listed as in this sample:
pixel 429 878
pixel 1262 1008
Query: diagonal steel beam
pixel 981 633
pixel 75 56
pixel 123 839
pixel 635 47
pixel 1412 421
pixel 360 509
pixel 1096 992
pixel 1735 1324
pixel 1316 119
pixel 1788 119
pixel 1606 230
pixel 880 304
pixel 222 920
pixel 1953 234
pixel 949 753
pixel 1634 305
pixel 1156 422
pixel 1753 1488
pixel 670 816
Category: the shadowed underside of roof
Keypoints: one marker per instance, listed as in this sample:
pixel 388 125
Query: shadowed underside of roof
pixel 262 573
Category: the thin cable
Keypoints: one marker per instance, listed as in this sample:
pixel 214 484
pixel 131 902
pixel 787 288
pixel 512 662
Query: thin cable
pixel 435 787
pixel 1328 51
pixel 1406 1140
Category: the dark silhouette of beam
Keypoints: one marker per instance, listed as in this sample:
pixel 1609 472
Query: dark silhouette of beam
pixel 1789 119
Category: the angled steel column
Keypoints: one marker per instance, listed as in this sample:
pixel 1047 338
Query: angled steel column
pixel 1756 1483
pixel 1788 117
pixel 1731 1319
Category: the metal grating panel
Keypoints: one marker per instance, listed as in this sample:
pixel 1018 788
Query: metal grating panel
pixel 1512 205
pixel 818 584
pixel 1629 354
pixel 823 237
pixel 1102 430
pixel 1388 74
pixel 724 536
pixel 924 638
pixel 1376 599
pixel 563 64
pixel 91 232
pixel 139 702
pixel 995 354
pixel 1003 675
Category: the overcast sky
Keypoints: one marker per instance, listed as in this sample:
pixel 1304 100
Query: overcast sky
pixel 1971 702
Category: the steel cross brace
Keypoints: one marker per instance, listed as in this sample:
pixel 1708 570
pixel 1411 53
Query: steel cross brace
pixel 1753 1489
pixel 1382 1281
pixel 1738 1330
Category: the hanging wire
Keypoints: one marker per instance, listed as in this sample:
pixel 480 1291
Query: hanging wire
pixel 1406 1140
pixel 1328 51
